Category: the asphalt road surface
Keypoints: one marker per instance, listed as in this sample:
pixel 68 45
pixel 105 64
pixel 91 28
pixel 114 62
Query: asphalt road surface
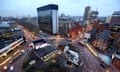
pixel 90 63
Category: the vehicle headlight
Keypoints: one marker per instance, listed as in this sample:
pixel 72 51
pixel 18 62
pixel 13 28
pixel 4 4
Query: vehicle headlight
pixel 5 67
pixel 11 68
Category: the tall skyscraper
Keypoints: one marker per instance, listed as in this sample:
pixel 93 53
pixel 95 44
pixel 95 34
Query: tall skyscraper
pixel 87 13
pixel 86 17
pixel 48 18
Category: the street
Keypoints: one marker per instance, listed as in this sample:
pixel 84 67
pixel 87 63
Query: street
pixel 17 62
pixel 90 62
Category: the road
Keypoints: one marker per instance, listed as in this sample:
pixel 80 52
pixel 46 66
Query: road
pixel 16 65
pixel 90 62
pixel 17 62
pixel 11 57
pixel 15 58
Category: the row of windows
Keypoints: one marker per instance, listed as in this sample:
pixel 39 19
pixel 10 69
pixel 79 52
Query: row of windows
pixel 45 20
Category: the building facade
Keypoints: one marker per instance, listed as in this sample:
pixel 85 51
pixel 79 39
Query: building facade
pixel 87 13
pixel 86 17
pixel 93 16
pixel 0 18
pixel 48 18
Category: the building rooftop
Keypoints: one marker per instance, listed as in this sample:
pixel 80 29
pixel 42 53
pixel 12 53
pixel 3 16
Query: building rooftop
pixel 115 24
pixel 4 25
pixel 41 52
pixel 48 7
pixel 105 35
pixel 95 12
pixel 115 19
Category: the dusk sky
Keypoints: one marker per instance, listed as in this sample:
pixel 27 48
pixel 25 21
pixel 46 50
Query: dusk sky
pixel 68 7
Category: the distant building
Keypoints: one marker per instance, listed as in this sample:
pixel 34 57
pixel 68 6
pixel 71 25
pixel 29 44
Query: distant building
pixel 6 31
pixel 116 13
pixel 76 18
pixel 74 29
pixel 115 19
pixel 93 16
pixel 0 18
pixel 4 26
pixel 48 18
pixel 108 19
pixel 102 18
pixel 62 16
pixel 33 20
pixel 8 19
pixel 64 26
pixel 69 25
pixel 87 14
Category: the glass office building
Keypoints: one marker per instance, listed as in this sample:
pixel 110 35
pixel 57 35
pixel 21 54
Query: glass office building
pixel 48 18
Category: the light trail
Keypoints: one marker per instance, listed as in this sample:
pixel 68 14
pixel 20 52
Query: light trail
pixel 12 48
pixel 93 51
pixel 9 58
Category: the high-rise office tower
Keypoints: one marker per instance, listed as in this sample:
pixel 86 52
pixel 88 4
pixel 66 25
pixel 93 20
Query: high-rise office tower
pixel 48 18
pixel 87 13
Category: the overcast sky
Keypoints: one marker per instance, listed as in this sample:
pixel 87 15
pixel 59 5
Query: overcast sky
pixel 68 7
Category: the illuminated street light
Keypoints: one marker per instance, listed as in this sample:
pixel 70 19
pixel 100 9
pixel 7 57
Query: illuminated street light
pixel 5 67
pixel 11 68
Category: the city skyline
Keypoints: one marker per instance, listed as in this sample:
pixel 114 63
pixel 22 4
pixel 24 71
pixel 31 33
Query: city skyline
pixel 75 8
